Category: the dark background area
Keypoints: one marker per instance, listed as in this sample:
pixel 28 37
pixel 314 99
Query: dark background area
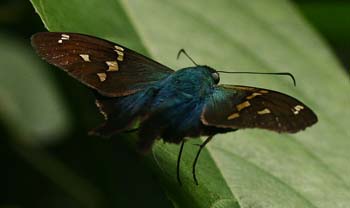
pixel 81 171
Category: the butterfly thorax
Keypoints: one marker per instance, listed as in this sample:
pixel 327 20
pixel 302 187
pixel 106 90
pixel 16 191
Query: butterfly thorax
pixel 192 82
pixel 176 108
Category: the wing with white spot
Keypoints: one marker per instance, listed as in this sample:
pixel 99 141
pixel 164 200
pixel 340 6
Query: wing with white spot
pixel 232 106
pixel 109 68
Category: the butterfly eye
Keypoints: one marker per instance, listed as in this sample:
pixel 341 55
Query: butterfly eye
pixel 215 77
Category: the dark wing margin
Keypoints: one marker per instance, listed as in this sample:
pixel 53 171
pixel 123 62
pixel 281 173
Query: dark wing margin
pixel 111 69
pixel 233 106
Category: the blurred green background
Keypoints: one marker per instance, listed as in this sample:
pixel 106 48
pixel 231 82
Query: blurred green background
pixel 56 164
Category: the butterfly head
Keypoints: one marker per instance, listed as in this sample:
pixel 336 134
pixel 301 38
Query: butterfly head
pixel 206 71
pixel 213 73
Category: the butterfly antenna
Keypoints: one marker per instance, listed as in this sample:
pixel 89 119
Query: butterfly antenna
pixel 266 73
pixel 184 52
pixel 197 156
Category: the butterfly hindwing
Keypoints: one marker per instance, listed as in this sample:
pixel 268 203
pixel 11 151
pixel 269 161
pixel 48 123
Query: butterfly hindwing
pixel 236 107
pixel 109 68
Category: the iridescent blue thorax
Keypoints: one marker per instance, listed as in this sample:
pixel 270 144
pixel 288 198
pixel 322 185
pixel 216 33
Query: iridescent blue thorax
pixel 188 83
pixel 178 102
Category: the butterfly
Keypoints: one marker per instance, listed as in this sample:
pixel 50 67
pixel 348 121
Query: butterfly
pixel 167 104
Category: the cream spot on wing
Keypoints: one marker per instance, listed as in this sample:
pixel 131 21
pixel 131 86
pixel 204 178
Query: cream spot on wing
pixel 242 105
pixel 112 66
pixel 264 91
pixel 264 111
pixel 233 116
pixel 85 57
pixel 101 111
pixel 105 116
pixel 120 55
pixel 253 95
pixel 119 48
pixel 297 109
pixel 65 37
pixel 97 103
pixel 102 76
pixel 240 87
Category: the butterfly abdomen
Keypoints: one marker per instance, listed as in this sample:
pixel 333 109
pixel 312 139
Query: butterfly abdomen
pixel 120 113
pixel 171 123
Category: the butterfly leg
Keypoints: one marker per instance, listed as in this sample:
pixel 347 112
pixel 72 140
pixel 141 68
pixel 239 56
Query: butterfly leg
pixel 178 162
pixel 130 131
pixel 197 156
pixel 108 129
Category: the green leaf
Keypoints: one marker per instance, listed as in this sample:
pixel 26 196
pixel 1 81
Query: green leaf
pixel 248 168
pixel 29 103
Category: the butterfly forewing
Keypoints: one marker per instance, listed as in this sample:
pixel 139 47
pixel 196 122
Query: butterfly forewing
pixel 111 69
pixel 238 107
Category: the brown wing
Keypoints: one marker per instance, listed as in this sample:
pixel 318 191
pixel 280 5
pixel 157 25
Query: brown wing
pixel 109 68
pixel 232 106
